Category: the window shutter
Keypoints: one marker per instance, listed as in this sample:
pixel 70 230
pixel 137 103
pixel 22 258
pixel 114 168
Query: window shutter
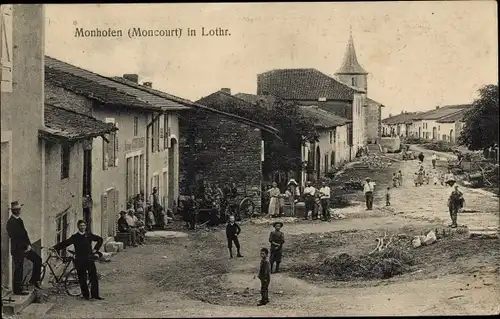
pixel 6 47
pixel 116 148
pixel 110 149
pixel 116 210
pixel 105 153
pixel 104 216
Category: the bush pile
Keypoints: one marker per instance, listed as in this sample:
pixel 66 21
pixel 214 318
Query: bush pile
pixel 414 140
pixel 440 146
pixel 393 261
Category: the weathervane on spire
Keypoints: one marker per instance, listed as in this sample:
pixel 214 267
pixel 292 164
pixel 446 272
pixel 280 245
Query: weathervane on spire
pixel 350 28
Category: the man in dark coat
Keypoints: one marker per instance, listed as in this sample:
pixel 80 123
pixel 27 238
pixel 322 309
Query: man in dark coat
pixel 85 257
pixel 455 202
pixel 20 248
pixel 232 232
pixel 277 239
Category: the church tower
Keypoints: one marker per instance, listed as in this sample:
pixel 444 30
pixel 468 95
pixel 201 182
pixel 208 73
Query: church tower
pixel 351 72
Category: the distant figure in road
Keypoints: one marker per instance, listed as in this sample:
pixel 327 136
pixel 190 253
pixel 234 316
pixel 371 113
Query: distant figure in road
pixel 233 230
pixel 435 177
pixel 455 202
pixel 421 157
pixel 324 193
pixel 400 178
pixel 309 193
pixel 84 259
pixel 388 197
pixel 395 180
pixel 277 239
pixel 190 211
pixel 264 276
pixel 368 189
pixel 415 179
pixel 434 159
pixel 20 248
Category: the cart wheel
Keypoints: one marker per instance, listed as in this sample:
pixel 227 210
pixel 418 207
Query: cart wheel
pixel 72 284
pixel 246 208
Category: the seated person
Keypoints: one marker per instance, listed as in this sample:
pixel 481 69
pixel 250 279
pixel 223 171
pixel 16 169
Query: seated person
pixel 141 229
pixel 122 223
pixel 132 221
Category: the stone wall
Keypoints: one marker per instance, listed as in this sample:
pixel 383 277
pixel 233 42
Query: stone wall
pixel 390 143
pixel 219 150
pixel 373 122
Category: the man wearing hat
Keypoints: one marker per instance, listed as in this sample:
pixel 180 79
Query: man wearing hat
pixel 20 248
pixel 310 193
pixel 368 189
pixel 277 239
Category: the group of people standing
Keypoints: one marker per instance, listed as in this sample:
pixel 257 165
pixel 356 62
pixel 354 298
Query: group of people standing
pixel 316 199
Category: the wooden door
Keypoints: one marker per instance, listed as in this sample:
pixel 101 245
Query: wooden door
pixel 5 200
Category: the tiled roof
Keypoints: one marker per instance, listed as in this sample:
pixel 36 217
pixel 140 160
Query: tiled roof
pixel 403 118
pixel 69 125
pixel 322 118
pixel 350 64
pixel 373 102
pixel 303 84
pixel 262 100
pixel 231 105
pixel 103 89
pixel 452 118
pixel 442 111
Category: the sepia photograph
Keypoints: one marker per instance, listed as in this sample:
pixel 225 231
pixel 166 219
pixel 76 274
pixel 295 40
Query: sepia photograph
pixel 285 159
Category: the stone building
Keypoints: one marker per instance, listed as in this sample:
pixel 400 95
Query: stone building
pixel 222 147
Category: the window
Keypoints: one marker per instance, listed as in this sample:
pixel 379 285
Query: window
pixel 155 137
pixel 134 175
pixel 165 127
pixel 6 47
pixel 331 137
pixel 136 126
pixel 110 148
pixel 439 127
pixel 65 156
pixel 353 81
pixel 62 228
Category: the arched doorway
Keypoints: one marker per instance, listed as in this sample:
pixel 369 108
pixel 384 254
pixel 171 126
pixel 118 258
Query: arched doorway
pixel 420 132
pixel 172 174
pixel 434 133
pixel 318 163
pixel 452 137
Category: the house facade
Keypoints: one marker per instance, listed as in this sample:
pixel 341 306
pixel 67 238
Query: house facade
pixel 311 87
pixel 435 124
pixel 67 136
pixel 331 149
pixel 398 125
pixel 142 154
pixel 22 41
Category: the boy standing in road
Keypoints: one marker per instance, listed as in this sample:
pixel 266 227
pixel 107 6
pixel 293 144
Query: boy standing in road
pixel 277 239
pixel 434 159
pixel 232 232
pixel 264 276
pixel 368 189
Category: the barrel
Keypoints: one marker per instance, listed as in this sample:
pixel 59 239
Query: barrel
pixel 300 210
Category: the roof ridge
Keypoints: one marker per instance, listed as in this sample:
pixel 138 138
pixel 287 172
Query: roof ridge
pixel 99 75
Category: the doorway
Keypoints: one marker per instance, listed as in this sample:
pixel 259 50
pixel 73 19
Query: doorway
pixel 172 158
pixel 318 163
pixel 87 184
pixel 5 200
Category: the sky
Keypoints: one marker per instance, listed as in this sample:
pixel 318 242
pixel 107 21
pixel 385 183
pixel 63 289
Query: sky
pixel 419 54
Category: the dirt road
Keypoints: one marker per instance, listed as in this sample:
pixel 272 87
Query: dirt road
pixel 194 277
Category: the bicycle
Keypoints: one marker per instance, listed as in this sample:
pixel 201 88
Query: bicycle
pixel 246 208
pixel 68 278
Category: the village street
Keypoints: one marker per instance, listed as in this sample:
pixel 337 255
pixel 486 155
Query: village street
pixel 193 276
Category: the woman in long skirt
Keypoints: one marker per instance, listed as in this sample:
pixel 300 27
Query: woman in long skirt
pixel 274 194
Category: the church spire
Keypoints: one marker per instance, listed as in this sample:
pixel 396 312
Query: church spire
pixel 350 65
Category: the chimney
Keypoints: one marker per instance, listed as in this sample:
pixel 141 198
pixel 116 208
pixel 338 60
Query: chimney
pixel 437 107
pixel 390 115
pixel 131 77
pixel 402 112
pixel 148 84
pixel 226 90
